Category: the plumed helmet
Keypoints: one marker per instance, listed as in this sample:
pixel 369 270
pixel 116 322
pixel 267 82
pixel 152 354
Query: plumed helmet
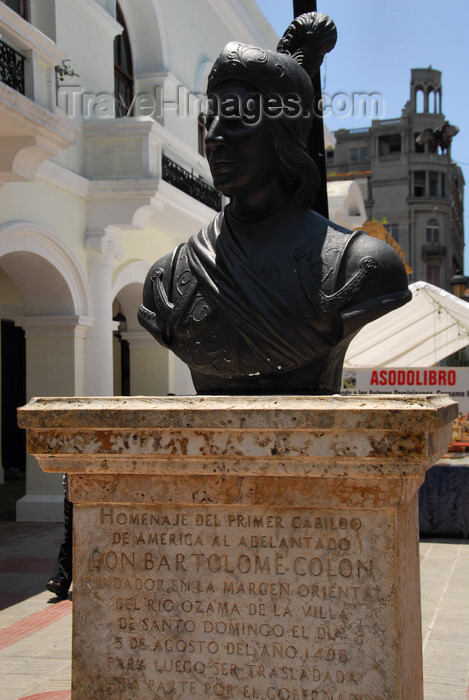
pixel 287 71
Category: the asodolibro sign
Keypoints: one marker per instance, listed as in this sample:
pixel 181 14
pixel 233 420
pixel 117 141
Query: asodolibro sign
pixel 409 380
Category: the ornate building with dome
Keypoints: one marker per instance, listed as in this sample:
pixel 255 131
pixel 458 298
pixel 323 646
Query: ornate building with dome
pixel 408 179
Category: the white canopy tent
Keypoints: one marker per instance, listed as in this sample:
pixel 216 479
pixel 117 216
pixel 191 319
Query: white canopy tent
pixel 427 329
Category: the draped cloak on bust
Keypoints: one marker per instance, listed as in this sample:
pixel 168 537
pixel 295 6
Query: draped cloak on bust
pixel 246 320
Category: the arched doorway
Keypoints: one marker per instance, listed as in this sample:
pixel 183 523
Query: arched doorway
pixel 153 370
pixel 45 309
pixel 141 366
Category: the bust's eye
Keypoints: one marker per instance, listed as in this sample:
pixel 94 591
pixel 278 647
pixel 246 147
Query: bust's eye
pixel 236 121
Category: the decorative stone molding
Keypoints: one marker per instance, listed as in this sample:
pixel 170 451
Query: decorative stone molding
pixel 29 134
pixel 149 36
pixel 104 244
pixel 102 247
pixel 26 237
pixel 64 179
pixel 100 16
pixel 131 273
pixel 183 210
pixel 148 200
pixel 151 133
pixel 58 326
pixel 27 37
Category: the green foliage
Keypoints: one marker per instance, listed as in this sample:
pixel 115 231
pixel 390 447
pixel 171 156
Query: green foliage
pixel 64 70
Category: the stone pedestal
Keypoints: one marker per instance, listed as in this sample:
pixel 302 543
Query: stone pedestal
pixel 244 547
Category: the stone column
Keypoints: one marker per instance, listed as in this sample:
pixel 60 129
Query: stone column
pixel 102 248
pixel 148 364
pixel 180 380
pixel 54 365
pixel 244 547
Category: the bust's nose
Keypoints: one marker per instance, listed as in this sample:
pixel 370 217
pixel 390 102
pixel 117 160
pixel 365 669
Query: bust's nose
pixel 214 136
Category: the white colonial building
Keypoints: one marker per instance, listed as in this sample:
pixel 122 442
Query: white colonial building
pixel 102 171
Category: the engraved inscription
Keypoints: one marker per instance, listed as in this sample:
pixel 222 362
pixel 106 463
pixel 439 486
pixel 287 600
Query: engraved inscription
pixel 205 601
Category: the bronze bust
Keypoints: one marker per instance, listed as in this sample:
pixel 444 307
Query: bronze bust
pixel 268 296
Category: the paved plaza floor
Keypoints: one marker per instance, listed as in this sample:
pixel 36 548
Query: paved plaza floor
pixel 35 628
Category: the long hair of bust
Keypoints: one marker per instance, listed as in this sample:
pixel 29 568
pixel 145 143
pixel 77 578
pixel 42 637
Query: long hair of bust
pixel 297 166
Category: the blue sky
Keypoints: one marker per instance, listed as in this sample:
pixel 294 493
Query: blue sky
pixel 379 42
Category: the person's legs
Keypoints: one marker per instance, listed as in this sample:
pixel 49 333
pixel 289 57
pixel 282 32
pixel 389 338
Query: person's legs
pixel 61 578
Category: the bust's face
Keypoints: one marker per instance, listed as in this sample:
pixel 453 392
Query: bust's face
pixel 239 143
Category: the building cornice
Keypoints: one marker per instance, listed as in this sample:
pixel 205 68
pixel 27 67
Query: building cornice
pixel 134 126
pixel 27 37
pixel 57 176
pixel 99 16
pixel 179 147
pixel 29 115
pixel 434 204
pixel 29 134
pixel 392 181
pixel 119 189
pixel 160 77
pixel 55 326
pixel 168 194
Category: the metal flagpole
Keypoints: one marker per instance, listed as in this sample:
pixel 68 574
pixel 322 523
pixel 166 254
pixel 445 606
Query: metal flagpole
pixel 316 136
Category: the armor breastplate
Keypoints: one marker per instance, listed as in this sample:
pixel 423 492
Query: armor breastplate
pixel 187 315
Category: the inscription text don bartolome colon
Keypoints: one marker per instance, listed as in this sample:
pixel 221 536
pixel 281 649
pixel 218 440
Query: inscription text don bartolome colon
pixel 209 601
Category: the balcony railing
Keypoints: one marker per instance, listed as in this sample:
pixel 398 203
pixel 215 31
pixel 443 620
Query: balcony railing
pixel 11 67
pixel 389 122
pixel 433 250
pixel 190 184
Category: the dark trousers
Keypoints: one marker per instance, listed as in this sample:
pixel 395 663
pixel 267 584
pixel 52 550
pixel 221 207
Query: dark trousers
pixel 63 569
